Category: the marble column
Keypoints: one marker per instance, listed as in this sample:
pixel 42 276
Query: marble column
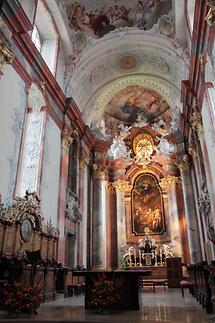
pixel 98 218
pixel 82 241
pixel 121 187
pixel 169 184
pixel 66 141
pixel 111 227
pixel 190 211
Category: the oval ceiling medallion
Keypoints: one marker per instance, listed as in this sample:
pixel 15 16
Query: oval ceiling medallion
pixel 127 62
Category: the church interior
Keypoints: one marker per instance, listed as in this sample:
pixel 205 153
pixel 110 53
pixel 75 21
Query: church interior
pixel 107 148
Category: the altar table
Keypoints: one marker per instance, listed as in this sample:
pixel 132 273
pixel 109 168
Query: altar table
pixel 130 289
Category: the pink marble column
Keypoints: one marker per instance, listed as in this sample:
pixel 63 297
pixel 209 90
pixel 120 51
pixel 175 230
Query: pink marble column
pixel 98 218
pixel 190 211
pixel 66 140
pixel 111 228
pixel 169 184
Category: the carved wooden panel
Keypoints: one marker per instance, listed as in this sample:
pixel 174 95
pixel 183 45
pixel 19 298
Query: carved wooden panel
pixel 37 241
pixel 9 240
pixel 39 277
pixel 50 249
pixel 44 247
pixel 2 227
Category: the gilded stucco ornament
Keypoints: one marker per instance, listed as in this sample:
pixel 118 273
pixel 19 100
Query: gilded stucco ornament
pixel 28 208
pixel 143 146
pixel 210 18
pixel 109 186
pixel 196 122
pixel 121 185
pixel 66 139
pixel 184 163
pixel 169 181
pixel 99 171
pixel 84 161
pixel 6 56
pixel 192 150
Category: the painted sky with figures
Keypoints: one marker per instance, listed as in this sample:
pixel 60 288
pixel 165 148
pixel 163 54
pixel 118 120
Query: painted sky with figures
pixel 98 18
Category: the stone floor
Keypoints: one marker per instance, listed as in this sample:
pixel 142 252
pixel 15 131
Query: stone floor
pixel 160 306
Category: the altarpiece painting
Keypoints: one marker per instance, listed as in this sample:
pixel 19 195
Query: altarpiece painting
pixel 147 206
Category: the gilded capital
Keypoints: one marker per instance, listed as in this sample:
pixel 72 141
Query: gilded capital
pixel 6 56
pixel 184 163
pixel 210 18
pixel 66 139
pixel 99 171
pixel 121 186
pixel 192 150
pixel 84 161
pixel 196 122
pixel 109 186
pixel 169 181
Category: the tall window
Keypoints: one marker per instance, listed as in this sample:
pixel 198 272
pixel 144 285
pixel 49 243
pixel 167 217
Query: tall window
pixel 190 12
pixel 36 39
pixel 72 173
pixel 45 36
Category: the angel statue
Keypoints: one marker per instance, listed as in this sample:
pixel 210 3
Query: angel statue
pixel 118 149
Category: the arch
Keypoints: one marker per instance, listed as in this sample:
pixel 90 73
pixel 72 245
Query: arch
pixel 155 169
pixel 100 99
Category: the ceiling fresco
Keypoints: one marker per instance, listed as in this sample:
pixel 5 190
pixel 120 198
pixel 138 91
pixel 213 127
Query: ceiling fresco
pixel 134 106
pixel 128 103
pixel 97 18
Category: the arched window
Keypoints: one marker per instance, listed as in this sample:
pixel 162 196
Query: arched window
pixel 45 36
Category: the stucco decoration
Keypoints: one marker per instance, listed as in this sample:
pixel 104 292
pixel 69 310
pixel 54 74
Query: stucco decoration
pixel 35 98
pixel 99 67
pixel 118 149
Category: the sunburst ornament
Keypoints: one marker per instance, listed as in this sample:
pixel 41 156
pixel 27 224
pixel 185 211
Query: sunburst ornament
pixel 143 146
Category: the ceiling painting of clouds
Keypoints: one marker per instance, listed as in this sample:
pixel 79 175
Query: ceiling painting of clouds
pixel 97 17
pixel 128 103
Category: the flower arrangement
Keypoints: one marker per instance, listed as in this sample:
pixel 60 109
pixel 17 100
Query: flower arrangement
pixel 16 299
pixel 106 293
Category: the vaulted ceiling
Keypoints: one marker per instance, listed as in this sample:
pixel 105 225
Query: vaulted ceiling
pixel 112 45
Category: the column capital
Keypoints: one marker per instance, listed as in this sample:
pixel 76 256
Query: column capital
pixel 192 150
pixel 6 56
pixel 109 186
pixel 196 122
pixel 210 18
pixel 184 163
pixel 84 161
pixel 121 185
pixel 99 171
pixel 66 139
pixel 169 181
